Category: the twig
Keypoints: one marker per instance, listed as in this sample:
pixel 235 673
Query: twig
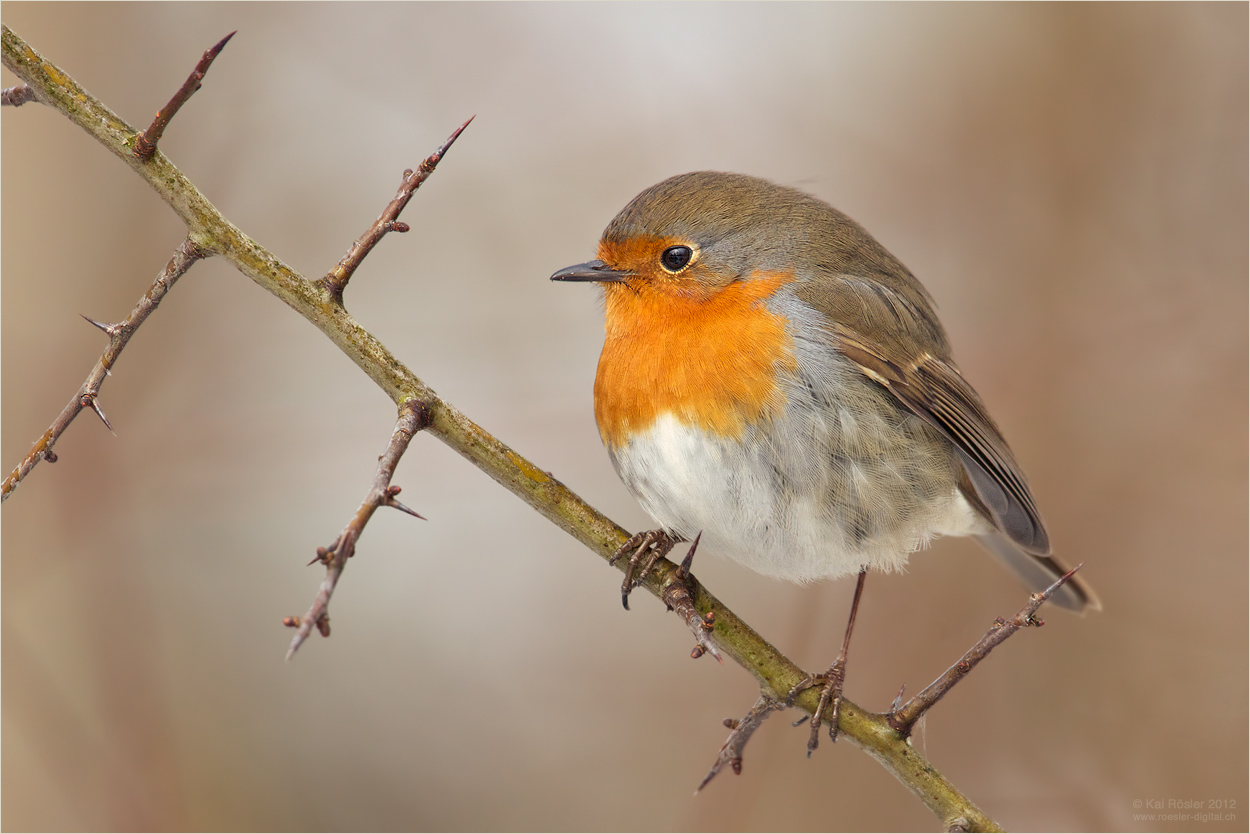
pixel 740 733
pixel 145 142
pixel 412 418
pixel 902 719
pixel 336 279
pixel 17 96
pixel 678 596
pixel 119 334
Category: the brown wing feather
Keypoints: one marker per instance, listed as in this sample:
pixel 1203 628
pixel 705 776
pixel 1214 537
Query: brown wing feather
pixel 908 354
pixel 932 389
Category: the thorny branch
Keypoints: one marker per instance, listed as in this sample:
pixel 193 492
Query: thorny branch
pixel 900 719
pixel 905 717
pixel 740 733
pixel 412 418
pixel 336 279
pixel 145 142
pixel 119 334
pixel 211 233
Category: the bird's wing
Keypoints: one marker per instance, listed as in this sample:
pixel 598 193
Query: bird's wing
pixel 910 359
pixel 934 390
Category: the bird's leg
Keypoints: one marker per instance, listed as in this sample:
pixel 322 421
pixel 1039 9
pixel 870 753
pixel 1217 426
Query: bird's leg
pixel 833 679
pixel 648 548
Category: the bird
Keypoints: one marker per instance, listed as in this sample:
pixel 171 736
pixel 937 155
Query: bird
pixel 776 385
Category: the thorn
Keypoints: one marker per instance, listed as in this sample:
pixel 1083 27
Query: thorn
pixel 296 642
pixel 898 699
pixel 1058 583
pixel 391 502
pixel 454 136
pixel 221 44
pixel 92 400
pixel 107 328
pixel 683 570
pixel 437 156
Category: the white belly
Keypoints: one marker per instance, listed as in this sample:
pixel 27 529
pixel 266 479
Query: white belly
pixel 782 503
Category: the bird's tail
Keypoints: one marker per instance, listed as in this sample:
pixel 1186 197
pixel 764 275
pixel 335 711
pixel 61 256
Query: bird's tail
pixel 1040 572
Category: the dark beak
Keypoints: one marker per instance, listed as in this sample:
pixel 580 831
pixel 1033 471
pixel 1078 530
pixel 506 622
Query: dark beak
pixel 590 271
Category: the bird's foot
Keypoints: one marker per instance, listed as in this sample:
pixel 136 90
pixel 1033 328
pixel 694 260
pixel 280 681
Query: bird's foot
pixel 830 693
pixel 644 550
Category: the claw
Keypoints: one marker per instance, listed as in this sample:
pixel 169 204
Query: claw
pixel 806 683
pixel 655 544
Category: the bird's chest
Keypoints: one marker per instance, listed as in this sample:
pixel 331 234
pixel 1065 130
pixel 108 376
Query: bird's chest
pixel 710 364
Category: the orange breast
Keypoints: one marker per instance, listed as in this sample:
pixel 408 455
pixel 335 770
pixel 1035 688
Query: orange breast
pixel 710 361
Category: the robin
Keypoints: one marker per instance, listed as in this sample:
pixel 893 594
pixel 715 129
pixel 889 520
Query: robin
pixel 777 383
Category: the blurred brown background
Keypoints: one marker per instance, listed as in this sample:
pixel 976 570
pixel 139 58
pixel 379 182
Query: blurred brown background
pixel 1070 182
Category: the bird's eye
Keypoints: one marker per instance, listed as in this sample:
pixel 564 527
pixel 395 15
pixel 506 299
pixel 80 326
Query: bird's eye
pixel 676 258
